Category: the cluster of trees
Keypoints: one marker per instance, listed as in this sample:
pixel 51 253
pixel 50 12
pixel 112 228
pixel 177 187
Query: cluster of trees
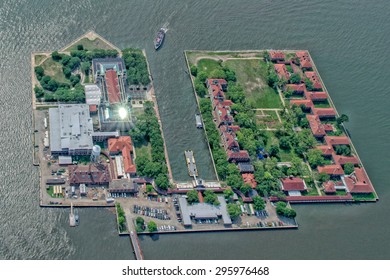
pixel 282 209
pixel 267 175
pixel 121 218
pixel 349 168
pixel 211 197
pixel 52 90
pixel 137 69
pixel 295 78
pixel 258 203
pixel 221 72
pixel 152 227
pixel 192 196
pixel 139 224
pixel 233 210
pixel 147 129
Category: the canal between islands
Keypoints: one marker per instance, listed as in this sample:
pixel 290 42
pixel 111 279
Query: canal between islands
pixel 346 47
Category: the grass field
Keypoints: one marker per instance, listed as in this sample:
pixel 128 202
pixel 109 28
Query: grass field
pixel 90 44
pixel 143 150
pixel 54 70
pixel 252 75
pixel 208 65
pixel 39 58
pixel 267 119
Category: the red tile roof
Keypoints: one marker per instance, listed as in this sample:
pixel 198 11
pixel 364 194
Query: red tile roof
pixel 242 155
pixel 93 108
pixel 293 184
pixel 112 87
pixel 328 127
pixel 276 55
pixel 217 92
pixel 358 182
pixel 200 196
pixel 317 128
pixel 222 114
pixel 216 81
pixel 229 140
pixel 249 178
pixel 307 103
pixel 314 78
pixel 227 103
pixel 281 70
pixel 329 187
pixel 88 174
pixel 337 140
pixel 345 159
pixel 304 59
pixel 334 169
pixel 324 112
pixel 316 95
pixel 326 150
pixel 301 88
pixel 123 145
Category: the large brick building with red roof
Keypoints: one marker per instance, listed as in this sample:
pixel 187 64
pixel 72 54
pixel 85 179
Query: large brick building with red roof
pixel 332 170
pixel 281 71
pixel 293 184
pixel 124 146
pixel 358 182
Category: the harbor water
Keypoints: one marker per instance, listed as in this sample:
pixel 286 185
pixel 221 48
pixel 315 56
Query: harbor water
pixel 349 44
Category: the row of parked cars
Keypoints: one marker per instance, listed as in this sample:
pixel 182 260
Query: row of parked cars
pixel 166 228
pixel 151 212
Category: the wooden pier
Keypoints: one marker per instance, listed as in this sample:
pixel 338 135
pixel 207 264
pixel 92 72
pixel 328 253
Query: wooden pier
pixel 191 165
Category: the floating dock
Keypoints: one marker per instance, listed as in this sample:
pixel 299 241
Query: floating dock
pixel 72 217
pixel 190 160
pixel 198 119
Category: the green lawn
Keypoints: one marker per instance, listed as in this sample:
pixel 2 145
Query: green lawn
pixel 54 70
pixel 39 58
pixel 252 75
pixel 364 197
pixel 322 104
pixel 90 45
pixel 208 65
pixel 144 150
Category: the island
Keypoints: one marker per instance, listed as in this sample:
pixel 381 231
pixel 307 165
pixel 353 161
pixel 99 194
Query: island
pixel 272 130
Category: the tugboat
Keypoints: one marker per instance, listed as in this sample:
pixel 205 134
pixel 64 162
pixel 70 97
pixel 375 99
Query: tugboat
pixel 159 38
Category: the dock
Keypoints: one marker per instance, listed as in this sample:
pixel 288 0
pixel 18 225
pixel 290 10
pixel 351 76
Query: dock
pixel 191 165
pixel 72 217
pixel 136 247
pixel 198 119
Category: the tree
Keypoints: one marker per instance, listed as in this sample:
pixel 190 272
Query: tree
pixel 228 193
pixel 349 168
pixel 274 151
pixel 75 79
pixel 192 196
pixel 233 210
pixel 162 181
pixel 38 92
pixel 246 188
pixel 315 158
pixel 56 56
pixel 149 188
pixel 217 74
pixel 284 143
pixel 194 70
pixel 210 197
pixel 344 150
pixel 67 72
pixel 323 177
pixel 39 72
pixel 295 78
pixel 85 67
pixel 202 76
pixel 309 84
pixel 200 89
pixel 342 119
pixel 152 226
pixel 258 203
pixel 80 47
pixel 139 220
